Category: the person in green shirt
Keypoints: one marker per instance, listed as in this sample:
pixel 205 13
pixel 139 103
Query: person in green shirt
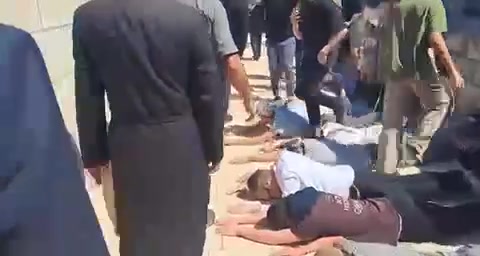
pixel 411 39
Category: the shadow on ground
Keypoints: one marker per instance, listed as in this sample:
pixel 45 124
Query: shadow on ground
pixel 258 77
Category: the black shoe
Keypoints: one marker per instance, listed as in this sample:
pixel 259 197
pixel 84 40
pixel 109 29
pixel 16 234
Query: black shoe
pixel 211 217
pixel 256 58
pixel 228 118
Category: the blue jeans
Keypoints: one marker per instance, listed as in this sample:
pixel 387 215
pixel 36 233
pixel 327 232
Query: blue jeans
pixel 281 56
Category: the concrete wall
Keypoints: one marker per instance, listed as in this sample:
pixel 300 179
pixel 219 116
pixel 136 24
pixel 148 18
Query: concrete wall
pixel 50 23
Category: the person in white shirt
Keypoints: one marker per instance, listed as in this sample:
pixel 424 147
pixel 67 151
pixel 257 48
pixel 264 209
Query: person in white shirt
pixel 293 172
pixel 349 135
pixel 341 145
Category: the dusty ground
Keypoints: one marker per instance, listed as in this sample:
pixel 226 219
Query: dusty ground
pixel 223 181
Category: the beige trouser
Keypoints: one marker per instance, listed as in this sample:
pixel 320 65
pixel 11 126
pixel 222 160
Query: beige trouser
pixel 401 100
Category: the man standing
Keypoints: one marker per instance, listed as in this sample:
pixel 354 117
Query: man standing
pixel 162 83
pixel 44 207
pixel 411 29
pixel 228 59
pixel 237 11
pixel 314 14
pixel 280 44
pixel 256 26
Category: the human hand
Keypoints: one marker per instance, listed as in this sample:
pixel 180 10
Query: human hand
pixel 226 221
pixel 456 80
pixel 322 55
pixel 268 137
pixel 249 108
pixel 228 229
pixel 291 251
pixel 240 160
pixel 268 147
pixel 96 173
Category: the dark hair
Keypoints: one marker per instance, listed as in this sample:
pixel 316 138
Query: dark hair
pixel 277 215
pixel 257 183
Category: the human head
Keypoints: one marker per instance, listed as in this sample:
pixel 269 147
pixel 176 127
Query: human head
pixel 277 215
pixel 265 108
pixel 263 185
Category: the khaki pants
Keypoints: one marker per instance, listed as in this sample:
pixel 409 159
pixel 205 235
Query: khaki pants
pixel 109 195
pixel 425 104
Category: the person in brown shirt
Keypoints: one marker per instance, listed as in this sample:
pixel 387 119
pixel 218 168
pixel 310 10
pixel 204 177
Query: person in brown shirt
pixel 309 214
pixel 380 215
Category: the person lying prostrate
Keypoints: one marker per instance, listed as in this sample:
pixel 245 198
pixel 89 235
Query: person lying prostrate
pixel 309 215
pixel 278 119
pixel 348 135
pixel 323 150
pixel 294 172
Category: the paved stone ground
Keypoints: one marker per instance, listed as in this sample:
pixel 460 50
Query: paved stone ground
pixel 222 182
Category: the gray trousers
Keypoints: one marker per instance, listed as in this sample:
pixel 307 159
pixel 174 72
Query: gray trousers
pixel 425 104
pixel 281 56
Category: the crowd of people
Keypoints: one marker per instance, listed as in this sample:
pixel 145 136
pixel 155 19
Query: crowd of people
pixel 370 86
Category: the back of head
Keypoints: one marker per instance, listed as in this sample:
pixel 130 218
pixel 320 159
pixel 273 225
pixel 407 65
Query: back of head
pixel 277 215
pixel 259 184
pixel 263 108
pixel 266 107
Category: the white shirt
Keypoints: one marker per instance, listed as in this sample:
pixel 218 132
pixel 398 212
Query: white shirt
pixel 295 172
pixel 348 135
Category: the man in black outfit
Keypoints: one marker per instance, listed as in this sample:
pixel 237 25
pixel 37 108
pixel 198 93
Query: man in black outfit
pixel 44 207
pixel 314 14
pixel 257 27
pixel 165 93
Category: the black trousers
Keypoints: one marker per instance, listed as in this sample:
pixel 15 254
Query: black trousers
pixel 427 203
pixel 256 27
pixel 308 89
pixel 238 19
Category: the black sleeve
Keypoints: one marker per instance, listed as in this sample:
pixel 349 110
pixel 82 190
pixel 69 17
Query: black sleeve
pixel 335 17
pixel 205 91
pixel 90 105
